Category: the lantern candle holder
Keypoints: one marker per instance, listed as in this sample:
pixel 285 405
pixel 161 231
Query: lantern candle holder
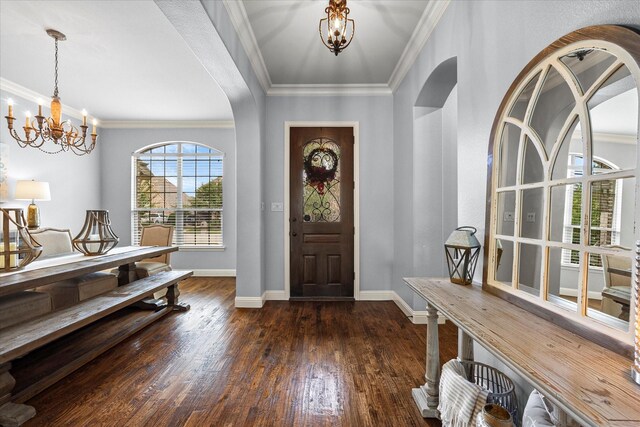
pixel 97 236
pixel 17 247
pixel 462 251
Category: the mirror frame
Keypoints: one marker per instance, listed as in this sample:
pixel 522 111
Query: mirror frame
pixel 628 40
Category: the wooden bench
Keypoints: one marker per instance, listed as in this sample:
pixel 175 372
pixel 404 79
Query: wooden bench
pixel 37 353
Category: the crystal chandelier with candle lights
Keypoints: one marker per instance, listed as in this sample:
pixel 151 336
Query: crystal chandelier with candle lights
pixel 335 26
pixel 40 130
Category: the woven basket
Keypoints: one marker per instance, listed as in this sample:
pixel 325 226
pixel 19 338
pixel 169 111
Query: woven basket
pixel 500 386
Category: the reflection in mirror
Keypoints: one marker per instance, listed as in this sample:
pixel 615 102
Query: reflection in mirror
pixel 612 221
pixel 609 290
pixel 614 121
pixel 509 155
pixel 520 106
pixel 529 268
pixel 587 65
pixel 563 281
pixel 504 261
pixel 565 167
pixel 555 103
pixel 566 205
pixel 531 213
pixel 533 170
pixel 506 212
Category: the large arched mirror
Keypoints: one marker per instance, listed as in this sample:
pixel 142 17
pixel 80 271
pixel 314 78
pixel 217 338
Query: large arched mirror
pixel 563 183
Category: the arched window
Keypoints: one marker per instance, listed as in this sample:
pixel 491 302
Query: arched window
pixel 559 210
pixel 179 183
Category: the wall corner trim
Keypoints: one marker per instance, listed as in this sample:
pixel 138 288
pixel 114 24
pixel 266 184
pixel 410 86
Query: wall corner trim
pixel 427 23
pixel 249 302
pixel 240 21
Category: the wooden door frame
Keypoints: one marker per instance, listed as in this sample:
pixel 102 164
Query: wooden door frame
pixel 356 197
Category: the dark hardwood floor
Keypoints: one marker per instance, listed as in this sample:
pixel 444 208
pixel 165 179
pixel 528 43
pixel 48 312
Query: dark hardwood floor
pixel 288 364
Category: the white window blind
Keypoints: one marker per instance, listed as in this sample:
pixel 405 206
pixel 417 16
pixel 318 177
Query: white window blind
pixel 179 184
pixel 605 213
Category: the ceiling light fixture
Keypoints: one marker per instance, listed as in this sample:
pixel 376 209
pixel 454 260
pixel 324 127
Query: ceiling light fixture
pixel 63 134
pixel 335 26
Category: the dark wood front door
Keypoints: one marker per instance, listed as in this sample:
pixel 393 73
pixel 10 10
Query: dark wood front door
pixel 321 216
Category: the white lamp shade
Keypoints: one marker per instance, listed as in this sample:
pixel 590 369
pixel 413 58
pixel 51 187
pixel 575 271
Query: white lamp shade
pixel 32 190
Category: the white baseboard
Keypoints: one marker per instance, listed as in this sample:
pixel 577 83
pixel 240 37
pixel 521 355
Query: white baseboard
pixel 249 302
pixel 376 296
pixel 199 272
pixel 571 292
pixel 275 296
pixel 416 317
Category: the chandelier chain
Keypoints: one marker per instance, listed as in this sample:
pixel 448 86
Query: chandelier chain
pixel 55 88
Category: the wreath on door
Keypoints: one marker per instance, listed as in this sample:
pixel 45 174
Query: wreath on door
pixel 320 167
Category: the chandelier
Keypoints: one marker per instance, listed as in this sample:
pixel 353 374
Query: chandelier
pixel 335 26
pixel 64 135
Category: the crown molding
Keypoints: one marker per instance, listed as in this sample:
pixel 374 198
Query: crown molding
pixel 166 124
pixel 428 22
pixel 329 90
pixel 617 138
pixel 31 95
pixel 240 21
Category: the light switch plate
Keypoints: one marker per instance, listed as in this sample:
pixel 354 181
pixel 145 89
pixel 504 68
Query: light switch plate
pixel 277 207
pixel 531 217
pixel 508 217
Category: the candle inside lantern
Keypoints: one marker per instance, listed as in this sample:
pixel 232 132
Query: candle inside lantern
pixel 93 247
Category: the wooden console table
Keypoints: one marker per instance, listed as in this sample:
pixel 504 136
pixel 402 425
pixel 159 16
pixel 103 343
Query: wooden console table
pixel 39 352
pixel 584 380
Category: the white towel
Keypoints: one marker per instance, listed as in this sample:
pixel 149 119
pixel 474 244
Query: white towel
pixel 460 400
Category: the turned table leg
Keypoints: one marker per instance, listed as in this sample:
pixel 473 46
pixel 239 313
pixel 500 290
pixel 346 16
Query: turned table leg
pixel 173 294
pixel 427 395
pixel 11 414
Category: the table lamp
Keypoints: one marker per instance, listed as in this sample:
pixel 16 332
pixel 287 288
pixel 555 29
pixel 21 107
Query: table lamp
pixel 33 190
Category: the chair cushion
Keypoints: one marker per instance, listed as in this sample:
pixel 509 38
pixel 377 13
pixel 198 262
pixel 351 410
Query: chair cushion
pixel 71 291
pixel 146 268
pixel 23 306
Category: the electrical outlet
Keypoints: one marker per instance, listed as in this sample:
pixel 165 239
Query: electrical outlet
pixel 277 206
pixel 531 217
pixel 508 217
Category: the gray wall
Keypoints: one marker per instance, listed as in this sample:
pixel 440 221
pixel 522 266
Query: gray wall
pixel 115 155
pixel 74 180
pixel 493 41
pixel 374 114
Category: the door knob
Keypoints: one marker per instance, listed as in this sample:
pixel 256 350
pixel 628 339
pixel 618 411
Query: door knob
pixel 294 234
pixel 294 219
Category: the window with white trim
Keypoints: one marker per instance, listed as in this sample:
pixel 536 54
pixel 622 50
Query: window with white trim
pixel 180 184
pixel 605 215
